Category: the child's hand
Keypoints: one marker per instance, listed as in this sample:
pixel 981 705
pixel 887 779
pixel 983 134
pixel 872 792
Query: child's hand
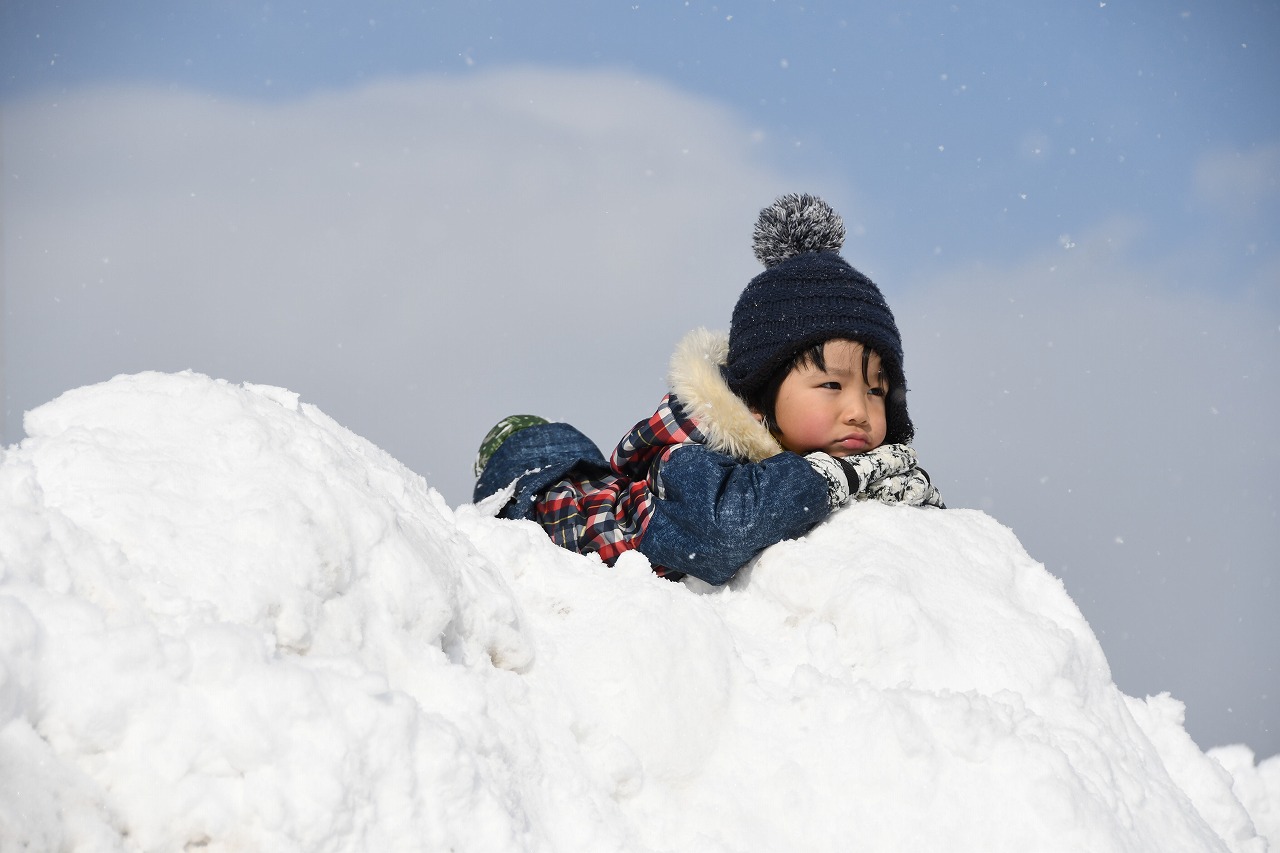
pixel 912 488
pixel 867 469
pixel 854 476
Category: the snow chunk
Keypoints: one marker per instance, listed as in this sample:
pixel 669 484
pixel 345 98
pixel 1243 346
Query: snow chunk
pixel 227 622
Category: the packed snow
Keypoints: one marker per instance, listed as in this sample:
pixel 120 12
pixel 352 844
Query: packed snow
pixel 228 623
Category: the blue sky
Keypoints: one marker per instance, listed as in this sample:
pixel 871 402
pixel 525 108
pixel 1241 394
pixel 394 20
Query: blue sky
pixel 422 218
pixel 1028 118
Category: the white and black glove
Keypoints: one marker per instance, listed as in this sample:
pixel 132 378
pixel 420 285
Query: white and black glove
pixel 853 476
pixel 912 488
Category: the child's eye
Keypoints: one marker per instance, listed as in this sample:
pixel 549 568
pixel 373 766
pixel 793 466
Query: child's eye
pixel 834 386
pixel 876 392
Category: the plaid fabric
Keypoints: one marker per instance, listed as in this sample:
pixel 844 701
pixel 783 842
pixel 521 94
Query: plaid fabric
pixel 607 513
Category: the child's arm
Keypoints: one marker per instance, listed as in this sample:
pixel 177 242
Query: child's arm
pixel 711 513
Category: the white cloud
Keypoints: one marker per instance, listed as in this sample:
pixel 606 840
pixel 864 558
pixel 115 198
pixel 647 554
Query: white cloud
pixel 419 257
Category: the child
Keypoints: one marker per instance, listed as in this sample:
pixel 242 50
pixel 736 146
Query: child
pixel 763 434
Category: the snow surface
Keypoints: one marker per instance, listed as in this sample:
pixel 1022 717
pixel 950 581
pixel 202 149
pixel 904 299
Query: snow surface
pixel 228 623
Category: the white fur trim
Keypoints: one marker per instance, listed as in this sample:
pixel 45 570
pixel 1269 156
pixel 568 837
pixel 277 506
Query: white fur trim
pixel 723 417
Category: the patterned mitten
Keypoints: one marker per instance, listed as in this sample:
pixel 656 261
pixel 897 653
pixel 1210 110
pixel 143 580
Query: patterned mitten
pixel 852 476
pixel 912 488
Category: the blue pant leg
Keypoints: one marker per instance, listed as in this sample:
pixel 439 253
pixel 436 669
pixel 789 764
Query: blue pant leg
pixel 535 458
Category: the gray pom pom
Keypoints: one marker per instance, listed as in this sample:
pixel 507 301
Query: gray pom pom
pixel 794 224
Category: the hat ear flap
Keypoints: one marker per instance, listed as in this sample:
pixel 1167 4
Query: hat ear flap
pixel 899 429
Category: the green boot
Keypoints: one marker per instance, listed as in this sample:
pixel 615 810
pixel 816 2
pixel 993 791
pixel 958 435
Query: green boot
pixel 501 431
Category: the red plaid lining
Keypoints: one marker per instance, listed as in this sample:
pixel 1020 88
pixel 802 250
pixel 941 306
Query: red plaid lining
pixel 608 513
pixel 668 427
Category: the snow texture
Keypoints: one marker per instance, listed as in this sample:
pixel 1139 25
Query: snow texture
pixel 228 623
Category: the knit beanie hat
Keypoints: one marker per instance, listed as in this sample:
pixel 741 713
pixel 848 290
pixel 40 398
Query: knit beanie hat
pixel 808 294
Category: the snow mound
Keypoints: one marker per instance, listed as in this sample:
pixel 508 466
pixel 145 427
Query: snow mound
pixel 227 623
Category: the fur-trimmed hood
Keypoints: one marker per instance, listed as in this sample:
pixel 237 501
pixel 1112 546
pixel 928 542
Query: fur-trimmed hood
pixel 724 419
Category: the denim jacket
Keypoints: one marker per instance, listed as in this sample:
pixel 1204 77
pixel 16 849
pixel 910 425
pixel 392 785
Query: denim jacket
pixel 699 488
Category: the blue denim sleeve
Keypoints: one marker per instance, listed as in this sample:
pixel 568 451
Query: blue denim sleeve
pixel 713 513
pixel 537 457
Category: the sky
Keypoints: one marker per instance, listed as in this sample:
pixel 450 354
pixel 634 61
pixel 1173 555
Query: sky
pixel 423 218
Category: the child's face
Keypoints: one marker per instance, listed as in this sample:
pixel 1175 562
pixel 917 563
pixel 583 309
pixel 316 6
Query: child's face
pixel 834 410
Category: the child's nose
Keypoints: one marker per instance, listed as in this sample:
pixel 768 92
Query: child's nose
pixel 855 409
